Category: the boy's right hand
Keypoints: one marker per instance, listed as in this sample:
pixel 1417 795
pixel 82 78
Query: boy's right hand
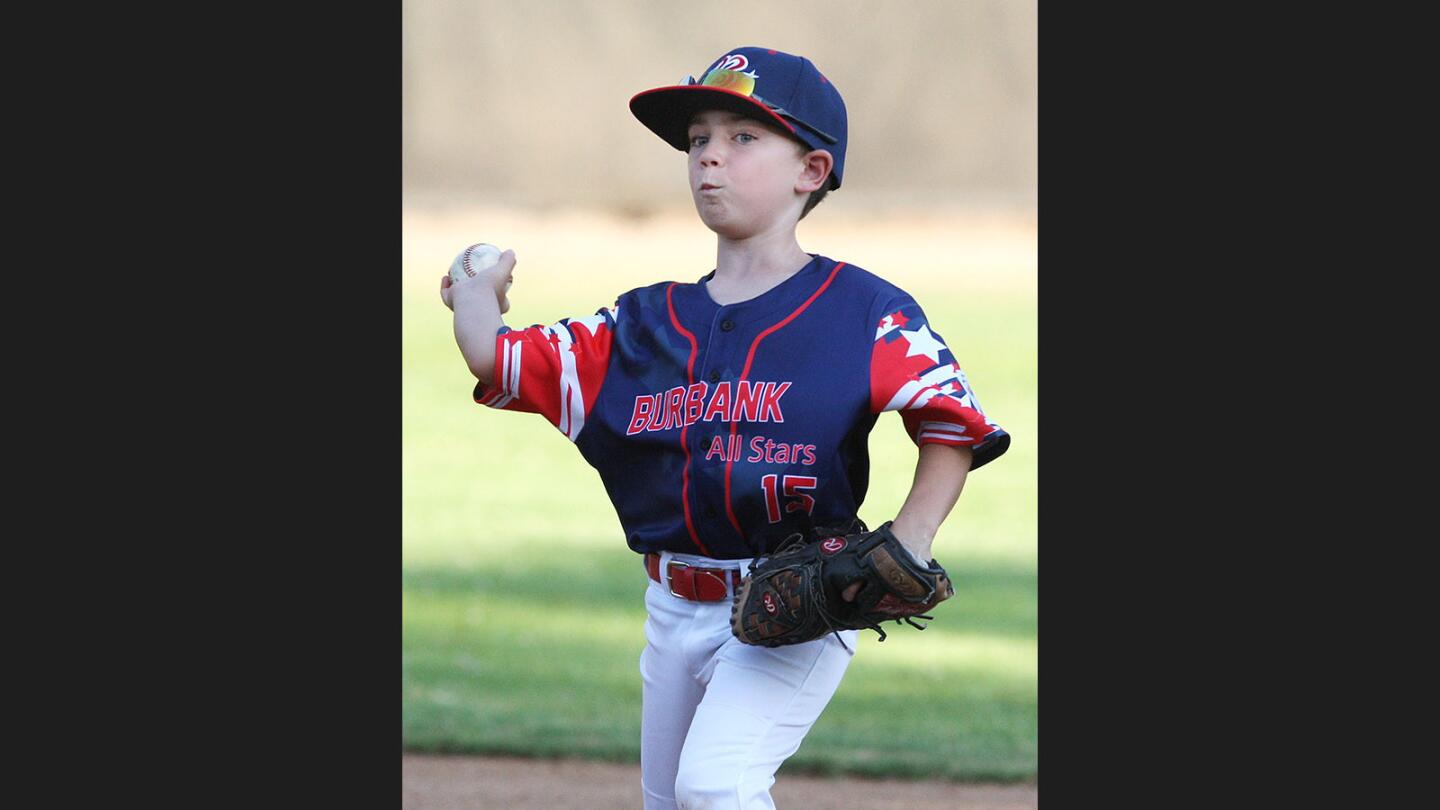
pixel 495 279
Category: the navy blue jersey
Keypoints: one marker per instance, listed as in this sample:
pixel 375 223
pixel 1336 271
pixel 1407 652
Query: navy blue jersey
pixel 719 430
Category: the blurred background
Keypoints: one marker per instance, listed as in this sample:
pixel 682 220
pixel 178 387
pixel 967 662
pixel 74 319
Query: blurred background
pixel 525 102
pixel 522 606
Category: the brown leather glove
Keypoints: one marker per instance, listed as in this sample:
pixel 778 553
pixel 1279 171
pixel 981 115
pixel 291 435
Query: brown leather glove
pixel 793 596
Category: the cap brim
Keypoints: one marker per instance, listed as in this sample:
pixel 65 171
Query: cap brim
pixel 666 111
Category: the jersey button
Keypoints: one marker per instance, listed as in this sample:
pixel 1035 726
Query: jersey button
pixel 715 376
pixel 726 325
pixel 709 512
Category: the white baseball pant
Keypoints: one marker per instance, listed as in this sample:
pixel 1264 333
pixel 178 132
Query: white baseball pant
pixel 719 716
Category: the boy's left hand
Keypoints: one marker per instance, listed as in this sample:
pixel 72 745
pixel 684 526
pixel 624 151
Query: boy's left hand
pixel 920 551
pixel 791 596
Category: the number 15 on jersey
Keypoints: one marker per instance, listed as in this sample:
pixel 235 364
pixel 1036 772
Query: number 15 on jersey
pixel 795 500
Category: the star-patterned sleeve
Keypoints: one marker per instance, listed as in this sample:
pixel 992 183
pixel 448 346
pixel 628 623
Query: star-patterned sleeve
pixel 912 371
pixel 555 371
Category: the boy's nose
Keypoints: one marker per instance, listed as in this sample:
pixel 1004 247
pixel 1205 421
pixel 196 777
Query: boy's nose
pixel 710 154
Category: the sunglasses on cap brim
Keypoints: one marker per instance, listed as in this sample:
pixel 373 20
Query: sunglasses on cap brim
pixel 780 111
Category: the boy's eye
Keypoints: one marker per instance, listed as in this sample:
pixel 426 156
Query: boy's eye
pixel 697 140
pixel 744 137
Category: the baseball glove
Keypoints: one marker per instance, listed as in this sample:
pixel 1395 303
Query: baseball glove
pixel 793 596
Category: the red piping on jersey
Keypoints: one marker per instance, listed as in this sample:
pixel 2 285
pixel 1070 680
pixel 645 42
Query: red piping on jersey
pixel 745 372
pixel 684 424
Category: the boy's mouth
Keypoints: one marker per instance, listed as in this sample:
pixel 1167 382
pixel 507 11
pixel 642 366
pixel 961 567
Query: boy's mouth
pixel 708 186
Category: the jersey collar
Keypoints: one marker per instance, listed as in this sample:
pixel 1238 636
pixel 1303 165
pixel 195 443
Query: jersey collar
pixel 786 295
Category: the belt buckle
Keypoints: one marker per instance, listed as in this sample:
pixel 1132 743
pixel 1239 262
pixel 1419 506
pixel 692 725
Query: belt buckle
pixel 670 581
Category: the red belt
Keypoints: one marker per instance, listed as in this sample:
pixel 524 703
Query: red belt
pixel 690 582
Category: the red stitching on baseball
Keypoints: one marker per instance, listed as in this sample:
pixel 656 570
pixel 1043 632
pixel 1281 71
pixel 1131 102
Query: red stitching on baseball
pixel 466 259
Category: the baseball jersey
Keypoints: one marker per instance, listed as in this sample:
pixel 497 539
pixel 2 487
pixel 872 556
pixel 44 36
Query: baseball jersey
pixel 719 430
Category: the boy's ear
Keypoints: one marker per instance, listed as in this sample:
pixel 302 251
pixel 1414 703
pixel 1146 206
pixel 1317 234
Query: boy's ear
pixel 816 171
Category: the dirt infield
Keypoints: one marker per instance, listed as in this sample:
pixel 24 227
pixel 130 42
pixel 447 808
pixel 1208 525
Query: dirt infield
pixel 451 783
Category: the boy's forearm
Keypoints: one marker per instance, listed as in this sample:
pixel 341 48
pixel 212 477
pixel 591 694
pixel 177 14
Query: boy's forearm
pixel 939 476
pixel 477 319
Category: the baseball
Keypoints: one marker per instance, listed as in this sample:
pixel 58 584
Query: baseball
pixel 472 260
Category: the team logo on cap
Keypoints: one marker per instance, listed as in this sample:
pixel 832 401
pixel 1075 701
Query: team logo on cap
pixel 730 75
pixel 733 61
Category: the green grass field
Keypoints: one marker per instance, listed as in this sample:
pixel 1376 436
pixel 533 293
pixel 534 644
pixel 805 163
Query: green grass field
pixel 523 608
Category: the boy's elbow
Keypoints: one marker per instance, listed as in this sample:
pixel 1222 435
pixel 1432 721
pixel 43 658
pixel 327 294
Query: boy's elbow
pixel 480 362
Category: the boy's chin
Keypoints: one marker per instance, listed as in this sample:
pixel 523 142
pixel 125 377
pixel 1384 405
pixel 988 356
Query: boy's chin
pixel 726 225
pixel 718 221
pixel 731 232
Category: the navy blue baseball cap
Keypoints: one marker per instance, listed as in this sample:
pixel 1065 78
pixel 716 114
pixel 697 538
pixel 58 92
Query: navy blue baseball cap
pixel 761 83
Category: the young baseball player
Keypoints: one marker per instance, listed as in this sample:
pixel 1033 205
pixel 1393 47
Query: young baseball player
pixel 726 414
